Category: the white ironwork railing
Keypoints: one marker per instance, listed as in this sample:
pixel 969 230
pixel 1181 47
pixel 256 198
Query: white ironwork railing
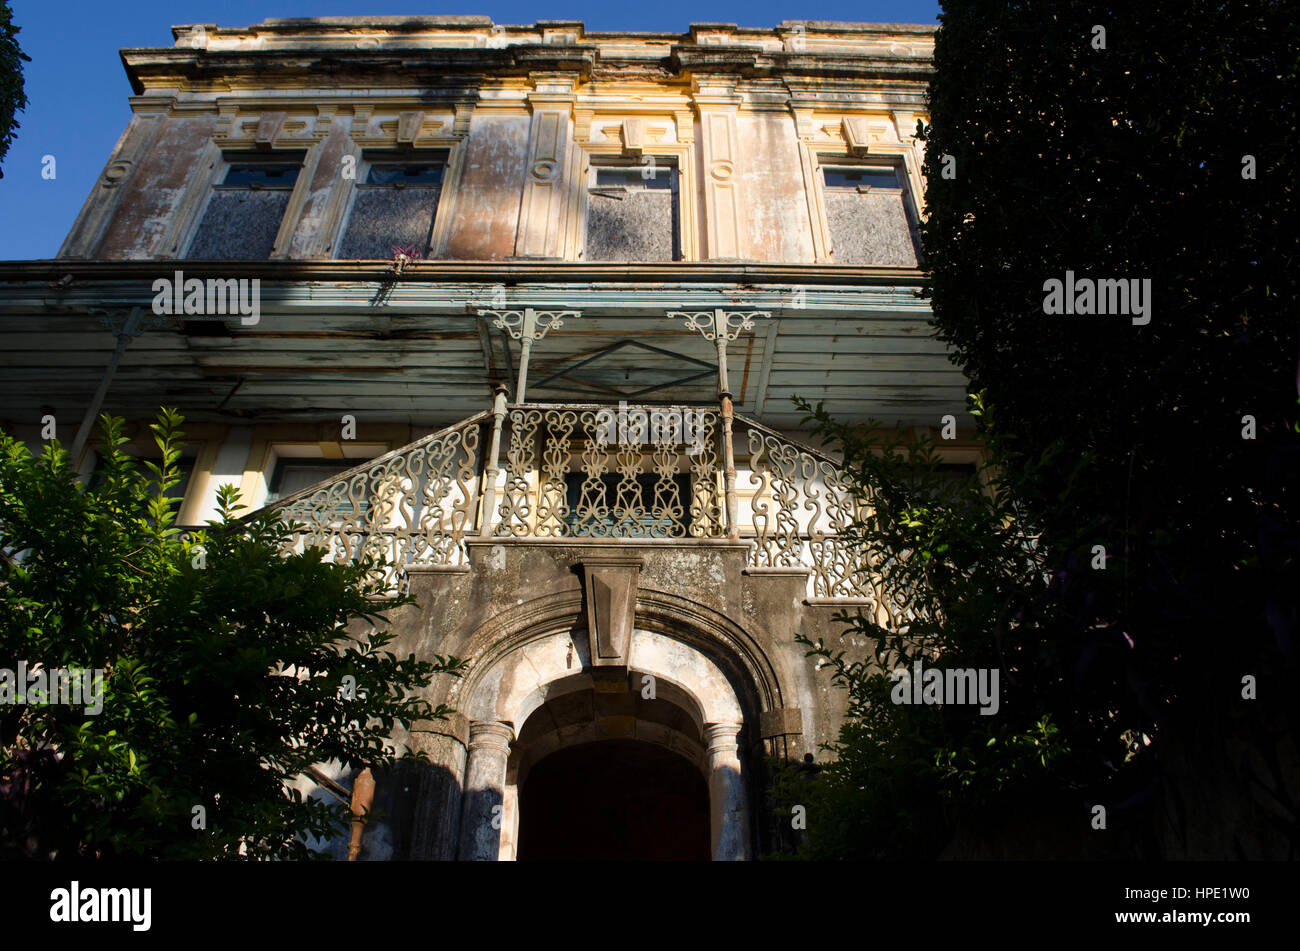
pixel 590 471
pixel 413 505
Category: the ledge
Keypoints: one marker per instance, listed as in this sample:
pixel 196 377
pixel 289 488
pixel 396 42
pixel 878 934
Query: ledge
pixel 478 272
pixel 517 542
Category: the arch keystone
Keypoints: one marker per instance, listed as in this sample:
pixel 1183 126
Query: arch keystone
pixel 610 587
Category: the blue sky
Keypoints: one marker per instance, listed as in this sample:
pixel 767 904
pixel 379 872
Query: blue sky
pixel 77 90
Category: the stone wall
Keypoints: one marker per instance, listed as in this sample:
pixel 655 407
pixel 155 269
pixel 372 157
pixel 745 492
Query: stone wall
pixel 520 603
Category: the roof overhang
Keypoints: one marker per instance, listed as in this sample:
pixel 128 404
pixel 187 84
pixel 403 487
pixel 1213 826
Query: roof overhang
pixel 333 337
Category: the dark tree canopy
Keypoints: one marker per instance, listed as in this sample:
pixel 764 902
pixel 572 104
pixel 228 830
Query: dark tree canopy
pixel 12 97
pixel 1163 151
pixel 1159 147
pixel 227 668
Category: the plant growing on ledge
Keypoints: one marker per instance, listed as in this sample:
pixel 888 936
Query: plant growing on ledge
pixel 225 667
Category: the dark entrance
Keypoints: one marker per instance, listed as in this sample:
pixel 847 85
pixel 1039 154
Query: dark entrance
pixel 614 800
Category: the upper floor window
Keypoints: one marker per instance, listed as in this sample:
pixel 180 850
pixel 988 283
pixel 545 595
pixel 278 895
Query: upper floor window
pixel 632 213
pixel 394 207
pixel 293 475
pixel 245 210
pixel 869 215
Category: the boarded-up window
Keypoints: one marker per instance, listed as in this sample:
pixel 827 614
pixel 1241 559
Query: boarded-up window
pixel 632 214
pixel 394 208
pixel 244 213
pixel 868 215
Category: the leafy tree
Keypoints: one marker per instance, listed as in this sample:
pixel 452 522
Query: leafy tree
pixel 964 584
pixel 223 665
pixel 1161 149
pixel 12 97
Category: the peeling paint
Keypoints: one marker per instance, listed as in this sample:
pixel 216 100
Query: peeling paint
pixel 487 200
pixel 775 218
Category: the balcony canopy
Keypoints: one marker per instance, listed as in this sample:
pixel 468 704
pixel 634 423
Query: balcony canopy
pixel 413 347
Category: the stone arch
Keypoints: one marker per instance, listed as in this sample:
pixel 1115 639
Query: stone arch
pixel 519 682
pixel 539 652
pixel 727 644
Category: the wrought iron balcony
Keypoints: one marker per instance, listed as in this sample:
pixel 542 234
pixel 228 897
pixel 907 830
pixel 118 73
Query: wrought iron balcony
pixel 587 471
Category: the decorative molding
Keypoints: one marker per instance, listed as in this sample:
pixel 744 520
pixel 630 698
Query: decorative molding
pixel 268 127
pixel 783 721
pixel 634 135
pixel 716 103
pixel 408 127
pixel 542 218
pixel 719 324
pixel 529 324
pixel 395 128
pixel 610 586
pixel 856 134
pixel 243 127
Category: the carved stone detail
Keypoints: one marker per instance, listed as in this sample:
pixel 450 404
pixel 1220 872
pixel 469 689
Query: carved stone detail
pixel 610 585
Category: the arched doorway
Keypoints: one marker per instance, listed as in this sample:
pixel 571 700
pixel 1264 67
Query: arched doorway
pixel 544 697
pixel 614 800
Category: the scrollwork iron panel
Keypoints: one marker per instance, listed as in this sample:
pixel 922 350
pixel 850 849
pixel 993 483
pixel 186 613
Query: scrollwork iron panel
pixel 413 506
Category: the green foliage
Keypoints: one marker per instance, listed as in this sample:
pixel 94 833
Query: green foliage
pixel 223 663
pixel 959 563
pixel 1118 163
pixel 12 97
pixel 1128 162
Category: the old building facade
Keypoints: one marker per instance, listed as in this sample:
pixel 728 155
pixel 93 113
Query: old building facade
pixel 524 308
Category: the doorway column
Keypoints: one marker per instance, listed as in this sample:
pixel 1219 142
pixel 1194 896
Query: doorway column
pixel 485 779
pixel 728 799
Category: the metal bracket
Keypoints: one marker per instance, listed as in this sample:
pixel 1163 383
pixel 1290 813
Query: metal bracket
pixel 527 326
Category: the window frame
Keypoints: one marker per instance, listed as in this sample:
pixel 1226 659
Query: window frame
pixel 281 462
pixel 863 166
pixel 227 159
pixel 897 163
pixel 441 155
pixel 595 162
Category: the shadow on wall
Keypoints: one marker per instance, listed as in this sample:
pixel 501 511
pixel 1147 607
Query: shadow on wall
pixel 414 814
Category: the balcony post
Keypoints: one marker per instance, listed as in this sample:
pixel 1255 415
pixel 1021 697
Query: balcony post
pixel 525 351
pixel 125 329
pixel 721 327
pixel 728 450
pixel 527 326
pixel 489 493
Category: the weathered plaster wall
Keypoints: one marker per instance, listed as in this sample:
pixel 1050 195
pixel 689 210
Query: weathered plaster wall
pixel 774 209
pixel 84 236
pixel 145 211
pixel 486 212
pixel 327 195
pixel 698 592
